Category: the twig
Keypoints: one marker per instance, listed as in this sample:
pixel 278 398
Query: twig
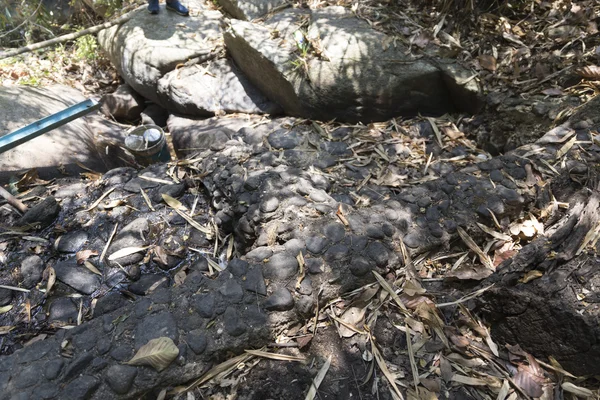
pixel 12 200
pixel 66 38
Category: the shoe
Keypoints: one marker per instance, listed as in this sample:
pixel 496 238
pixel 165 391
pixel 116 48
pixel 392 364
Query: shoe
pixel 153 6
pixel 177 7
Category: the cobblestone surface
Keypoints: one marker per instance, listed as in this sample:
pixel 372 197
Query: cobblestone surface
pixel 277 204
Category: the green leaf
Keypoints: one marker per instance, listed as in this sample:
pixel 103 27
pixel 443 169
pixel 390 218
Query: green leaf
pixel 157 353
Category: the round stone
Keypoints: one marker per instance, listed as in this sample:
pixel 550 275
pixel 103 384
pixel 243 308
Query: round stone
pixel 197 341
pixel 280 300
pixel 269 205
pixel 71 242
pixel 282 266
pixel 334 232
pixel 120 378
pixel 6 296
pixel 360 266
pixel 234 325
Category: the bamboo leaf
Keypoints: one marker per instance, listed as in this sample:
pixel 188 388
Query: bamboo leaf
pixel 173 202
pixel 157 353
pixel 312 392
pixel 125 252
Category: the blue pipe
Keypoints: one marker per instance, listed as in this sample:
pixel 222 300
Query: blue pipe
pixel 46 124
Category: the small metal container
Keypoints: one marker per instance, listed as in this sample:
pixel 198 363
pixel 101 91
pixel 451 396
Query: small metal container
pixel 148 144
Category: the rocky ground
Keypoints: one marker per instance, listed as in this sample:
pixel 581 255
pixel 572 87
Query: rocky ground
pixel 276 257
pixel 269 234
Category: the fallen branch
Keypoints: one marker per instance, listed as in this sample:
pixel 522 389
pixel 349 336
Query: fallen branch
pixel 65 38
pixel 12 200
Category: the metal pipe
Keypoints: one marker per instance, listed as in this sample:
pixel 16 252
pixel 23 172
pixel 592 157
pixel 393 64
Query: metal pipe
pixel 46 124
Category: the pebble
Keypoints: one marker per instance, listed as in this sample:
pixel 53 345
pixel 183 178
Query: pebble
pixel 378 253
pixel 232 291
pixel 280 300
pixel 133 234
pixel 32 269
pixel 197 341
pixel 269 205
pixel 337 252
pixel 260 253
pixel 120 378
pixel 161 324
pixel 284 139
pixel 255 281
pixel 295 246
pixel 234 325
pixel 76 276
pixel 237 267
pixel 334 232
pixel 71 242
pixel 6 296
pixel 42 214
pixel 53 368
pixel 360 266
pixel 63 309
pixel 281 266
pixel 81 388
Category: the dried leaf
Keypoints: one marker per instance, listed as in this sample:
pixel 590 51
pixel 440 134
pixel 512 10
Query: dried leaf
pixel 391 291
pixel 95 204
pixel 6 329
pixel 275 356
pixel 157 353
pixel 465 272
pixel 5 309
pixel 173 202
pixel 467 380
pixel 92 267
pixel 312 392
pixel 436 130
pixel 566 147
pixel 353 316
pixel 552 92
pixel 179 278
pixel 493 233
pixel 412 288
pixel 525 380
pixel 125 252
pixel 83 255
pixel 147 199
pixel 531 275
pixel 303 341
pixel 488 62
pixel 591 72
pixel 51 279
pixel 484 258
pixel 160 255
pixel 577 390
pixel 386 372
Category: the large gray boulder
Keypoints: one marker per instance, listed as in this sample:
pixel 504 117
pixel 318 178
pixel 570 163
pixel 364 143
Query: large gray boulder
pixel 216 87
pixel 147 47
pixel 351 72
pixel 58 151
pixel 179 63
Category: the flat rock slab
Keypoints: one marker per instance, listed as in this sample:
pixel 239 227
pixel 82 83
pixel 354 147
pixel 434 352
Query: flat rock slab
pixel 214 87
pixel 147 47
pixel 358 75
pixel 250 9
pixel 62 147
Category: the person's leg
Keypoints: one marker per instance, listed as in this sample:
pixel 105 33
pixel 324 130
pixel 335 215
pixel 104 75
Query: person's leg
pixel 153 6
pixel 176 6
